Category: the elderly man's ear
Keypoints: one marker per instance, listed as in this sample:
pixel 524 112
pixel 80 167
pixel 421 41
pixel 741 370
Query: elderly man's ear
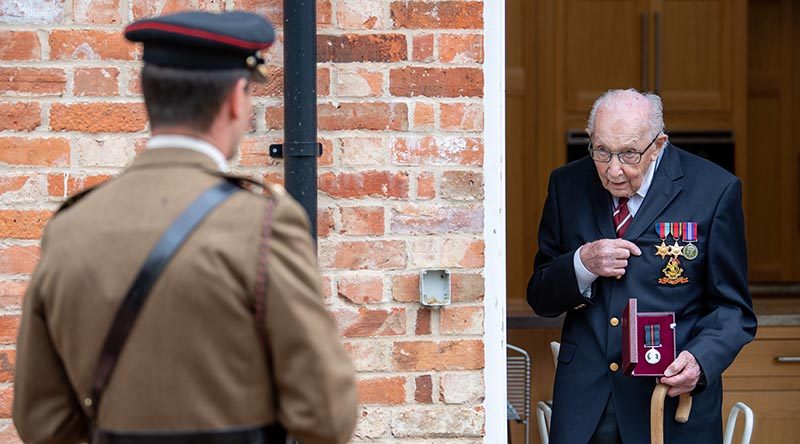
pixel 661 142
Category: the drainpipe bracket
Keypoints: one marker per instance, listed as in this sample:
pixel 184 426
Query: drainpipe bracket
pixel 295 149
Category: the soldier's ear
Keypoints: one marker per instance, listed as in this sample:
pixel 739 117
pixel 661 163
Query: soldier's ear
pixel 238 100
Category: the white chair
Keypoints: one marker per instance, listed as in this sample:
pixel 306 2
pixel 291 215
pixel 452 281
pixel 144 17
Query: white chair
pixel 518 386
pixel 554 348
pixel 544 410
pixel 748 423
pixel 543 413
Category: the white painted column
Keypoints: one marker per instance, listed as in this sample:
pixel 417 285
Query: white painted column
pixel 494 172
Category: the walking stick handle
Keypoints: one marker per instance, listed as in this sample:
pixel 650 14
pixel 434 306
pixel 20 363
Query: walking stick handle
pixel 684 408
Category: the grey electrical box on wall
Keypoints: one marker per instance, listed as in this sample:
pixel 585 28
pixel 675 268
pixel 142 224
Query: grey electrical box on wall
pixel 434 287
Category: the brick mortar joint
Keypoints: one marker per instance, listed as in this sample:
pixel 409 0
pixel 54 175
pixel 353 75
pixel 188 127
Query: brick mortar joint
pixel 386 273
pixel 410 306
pixel 47 62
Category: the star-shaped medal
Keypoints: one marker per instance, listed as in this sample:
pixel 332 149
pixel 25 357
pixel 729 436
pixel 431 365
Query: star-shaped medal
pixel 663 250
pixel 676 250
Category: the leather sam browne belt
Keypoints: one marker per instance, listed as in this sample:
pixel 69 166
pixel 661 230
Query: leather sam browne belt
pixel 261 435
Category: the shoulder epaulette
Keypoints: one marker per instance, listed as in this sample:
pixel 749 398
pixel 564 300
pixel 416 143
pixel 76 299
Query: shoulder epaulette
pixel 248 183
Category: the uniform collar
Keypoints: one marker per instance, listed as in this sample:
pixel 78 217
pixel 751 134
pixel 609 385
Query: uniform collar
pixel 189 143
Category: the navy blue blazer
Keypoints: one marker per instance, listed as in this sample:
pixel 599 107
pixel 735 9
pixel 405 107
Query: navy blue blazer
pixel 713 310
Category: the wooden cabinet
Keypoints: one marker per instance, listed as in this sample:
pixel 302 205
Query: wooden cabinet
pixel 773 159
pixel 768 386
pixel 604 46
pixel 693 56
pixel 682 50
pixel 522 213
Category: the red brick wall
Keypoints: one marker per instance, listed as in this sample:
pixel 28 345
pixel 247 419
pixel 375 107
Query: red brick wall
pixel 401 184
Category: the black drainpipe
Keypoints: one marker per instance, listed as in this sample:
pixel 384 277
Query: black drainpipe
pixel 300 147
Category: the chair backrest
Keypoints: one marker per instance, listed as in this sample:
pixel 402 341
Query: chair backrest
pixel 543 414
pixel 748 423
pixel 518 371
pixel 554 348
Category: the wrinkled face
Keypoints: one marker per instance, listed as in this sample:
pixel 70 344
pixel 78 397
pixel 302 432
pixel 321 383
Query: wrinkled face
pixel 618 133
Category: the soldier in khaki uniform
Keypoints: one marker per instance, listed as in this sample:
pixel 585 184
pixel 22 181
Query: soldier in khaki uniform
pixel 193 369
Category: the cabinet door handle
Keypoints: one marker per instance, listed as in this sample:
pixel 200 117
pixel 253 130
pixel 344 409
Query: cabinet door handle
pixel 788 359
pixel 645 71
pixel 657 66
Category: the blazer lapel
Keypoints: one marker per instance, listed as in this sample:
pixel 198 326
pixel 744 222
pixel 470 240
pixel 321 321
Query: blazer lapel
pixel 601 203
pixel 663 190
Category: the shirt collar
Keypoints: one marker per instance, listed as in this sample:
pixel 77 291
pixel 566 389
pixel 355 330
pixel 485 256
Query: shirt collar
pixel 189 143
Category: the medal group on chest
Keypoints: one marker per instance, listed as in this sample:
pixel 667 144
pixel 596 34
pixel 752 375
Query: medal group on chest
pixel 680 231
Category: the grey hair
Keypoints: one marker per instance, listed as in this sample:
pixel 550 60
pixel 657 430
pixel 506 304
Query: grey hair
pixel 612 99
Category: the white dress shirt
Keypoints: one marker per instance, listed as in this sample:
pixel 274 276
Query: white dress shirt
pixel 189 143
pixel 586 277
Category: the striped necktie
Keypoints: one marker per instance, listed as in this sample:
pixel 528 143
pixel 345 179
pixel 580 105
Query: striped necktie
pixel 622 217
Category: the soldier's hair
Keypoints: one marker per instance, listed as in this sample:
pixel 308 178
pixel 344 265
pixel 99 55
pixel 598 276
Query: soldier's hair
pixel 186 97
pixel 613 99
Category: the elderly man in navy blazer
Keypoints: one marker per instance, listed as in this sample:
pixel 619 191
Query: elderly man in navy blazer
pixel 640 218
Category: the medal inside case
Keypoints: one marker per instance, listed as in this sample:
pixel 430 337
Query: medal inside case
pixel 648 341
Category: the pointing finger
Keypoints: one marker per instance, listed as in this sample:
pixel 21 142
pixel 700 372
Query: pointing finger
pixel 630 246
pixel 622 253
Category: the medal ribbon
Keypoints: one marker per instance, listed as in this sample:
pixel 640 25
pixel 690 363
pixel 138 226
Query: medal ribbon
pixel 652 335
pixel 690 231
pixel 677 230
pixel 662 228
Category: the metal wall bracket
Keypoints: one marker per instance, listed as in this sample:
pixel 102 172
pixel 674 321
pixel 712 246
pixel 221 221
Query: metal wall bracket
pixel 297 149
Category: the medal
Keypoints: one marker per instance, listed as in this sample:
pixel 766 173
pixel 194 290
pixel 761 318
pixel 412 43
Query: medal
pixel 662 228
pixel 690 251
pixel 652 356
pixel 652 339
pixel 676 250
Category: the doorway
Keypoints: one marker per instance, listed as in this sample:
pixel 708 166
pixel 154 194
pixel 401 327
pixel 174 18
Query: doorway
pixel 731 96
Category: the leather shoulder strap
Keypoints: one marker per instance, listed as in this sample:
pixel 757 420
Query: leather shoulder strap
pixel 72 200
pixel 156 261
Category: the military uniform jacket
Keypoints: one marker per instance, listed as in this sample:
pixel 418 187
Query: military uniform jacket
pixel 193 360
pixel 713 309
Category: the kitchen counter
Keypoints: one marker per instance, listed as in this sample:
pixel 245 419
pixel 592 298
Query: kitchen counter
pixel 771 311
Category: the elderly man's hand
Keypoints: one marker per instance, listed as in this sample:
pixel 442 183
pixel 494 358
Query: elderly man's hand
pixel 608 257
pixel 682 375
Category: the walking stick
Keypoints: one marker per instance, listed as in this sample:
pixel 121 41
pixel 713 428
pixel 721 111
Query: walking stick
pixel 657 412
